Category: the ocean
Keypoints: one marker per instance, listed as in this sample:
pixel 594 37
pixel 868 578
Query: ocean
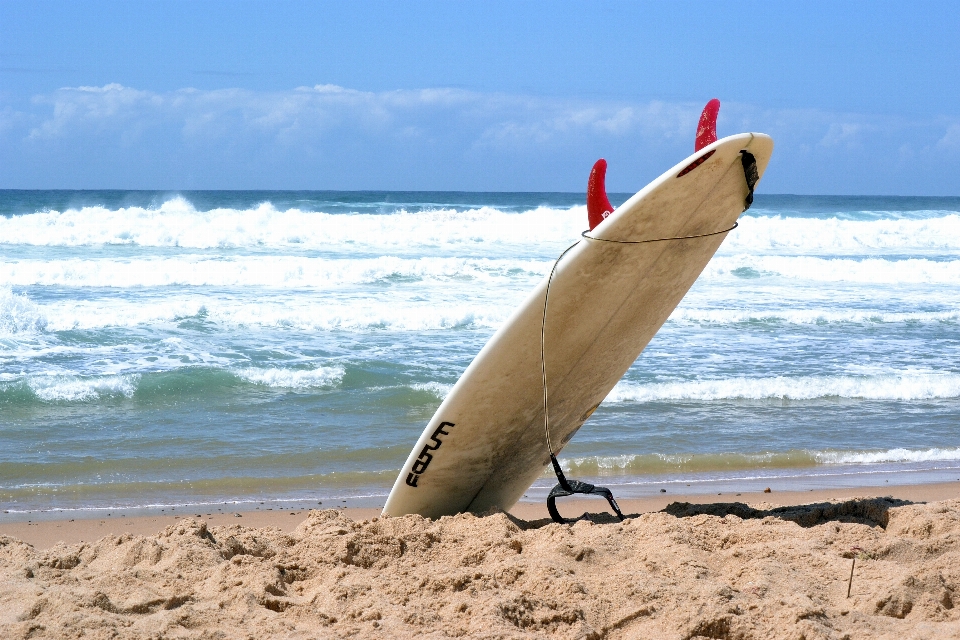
pixel 162 350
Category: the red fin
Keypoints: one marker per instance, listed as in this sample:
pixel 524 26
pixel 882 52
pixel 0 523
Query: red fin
pixel 707 129
pixel 598 206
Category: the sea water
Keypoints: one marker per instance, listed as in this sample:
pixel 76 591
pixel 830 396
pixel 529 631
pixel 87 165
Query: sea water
pixel 163 349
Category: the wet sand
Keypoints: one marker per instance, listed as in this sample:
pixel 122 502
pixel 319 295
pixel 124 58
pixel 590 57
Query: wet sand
pixel 47 532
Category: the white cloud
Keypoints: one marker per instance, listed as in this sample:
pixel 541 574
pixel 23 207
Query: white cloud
pixel 951 139
pixel 328 136
pixel 110 105
pixel 308 111
pixel 842 133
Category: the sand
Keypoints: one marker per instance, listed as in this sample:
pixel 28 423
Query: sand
pixel 713 570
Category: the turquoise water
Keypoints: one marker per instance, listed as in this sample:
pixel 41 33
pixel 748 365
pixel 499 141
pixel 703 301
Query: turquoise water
pixel 199 347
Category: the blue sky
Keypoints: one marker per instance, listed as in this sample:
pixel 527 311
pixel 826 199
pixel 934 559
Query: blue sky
pixel 861 98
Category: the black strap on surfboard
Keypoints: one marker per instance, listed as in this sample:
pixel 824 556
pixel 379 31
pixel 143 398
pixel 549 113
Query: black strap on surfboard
pixel 750 174
pixel 567 487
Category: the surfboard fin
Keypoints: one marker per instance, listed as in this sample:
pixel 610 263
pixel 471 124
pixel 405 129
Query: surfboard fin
pixel 569 487
pixel 598 205
pixel 707 128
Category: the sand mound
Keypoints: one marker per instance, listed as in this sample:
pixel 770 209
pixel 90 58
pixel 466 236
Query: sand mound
pixel 707 571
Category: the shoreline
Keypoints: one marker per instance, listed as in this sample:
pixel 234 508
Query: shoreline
pixel 46 529
pixel 879 477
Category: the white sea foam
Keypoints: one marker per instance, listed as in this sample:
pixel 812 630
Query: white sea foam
pixel 370 313
pixel 889 455
pixel 778 235
pixel 316 378
pixel 894 386
pixel 177 224
pixel 18 314
pixel 734 460
pixel 438 389
pixel 867 271
pixel 809 316
pixel 325 273
pixel 67 388
pixel 297 313
pixel 269 271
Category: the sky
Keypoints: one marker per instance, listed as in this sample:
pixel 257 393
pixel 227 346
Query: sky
pixel 860 97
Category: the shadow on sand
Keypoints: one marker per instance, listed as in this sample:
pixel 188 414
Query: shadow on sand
pixel 873 512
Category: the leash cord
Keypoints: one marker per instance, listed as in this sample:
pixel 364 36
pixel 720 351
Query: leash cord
pixel 546 299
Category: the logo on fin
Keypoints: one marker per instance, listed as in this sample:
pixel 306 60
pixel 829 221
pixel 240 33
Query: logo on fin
pixel 598 205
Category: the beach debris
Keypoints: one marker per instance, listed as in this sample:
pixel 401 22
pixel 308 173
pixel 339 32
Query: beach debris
pixel 852 565
pixel 767 490
pixel 237 515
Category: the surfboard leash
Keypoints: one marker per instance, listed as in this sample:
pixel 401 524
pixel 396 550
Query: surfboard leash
pixel 701 235
pixel 564 486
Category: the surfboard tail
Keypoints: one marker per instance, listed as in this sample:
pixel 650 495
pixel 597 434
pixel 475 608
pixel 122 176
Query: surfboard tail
pixel 598 205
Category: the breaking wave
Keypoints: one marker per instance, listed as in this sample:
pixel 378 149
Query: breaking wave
pixel 176 223
pixel 654 463
pixel 294 378
pixel 263 271
pixel 810 316
pixel 899 386
pixel 866 271
pixel 779 235
pixel 69 388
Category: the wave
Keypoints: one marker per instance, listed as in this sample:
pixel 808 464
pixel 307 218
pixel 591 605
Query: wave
pixel 436 389
pixel 176 223
pixel 654 463
pixel 298 314
pixel 867 271
pixel 157 385
pixel 268 271
pixel 779 235
pixel 889 455
pixel 294 378
pixel 18 314
pixel 68 388
pixel 809 316
pixel 894 386
pixel 326 273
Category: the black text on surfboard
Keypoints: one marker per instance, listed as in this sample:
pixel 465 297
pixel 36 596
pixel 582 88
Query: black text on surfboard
pixel 423 460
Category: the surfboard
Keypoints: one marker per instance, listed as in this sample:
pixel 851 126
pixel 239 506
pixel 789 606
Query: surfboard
pixel 486 445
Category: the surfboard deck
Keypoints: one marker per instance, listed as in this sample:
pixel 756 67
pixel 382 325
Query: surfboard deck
pixel 485 445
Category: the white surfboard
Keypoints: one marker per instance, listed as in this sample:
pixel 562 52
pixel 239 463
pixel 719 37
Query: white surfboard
pixel 485 446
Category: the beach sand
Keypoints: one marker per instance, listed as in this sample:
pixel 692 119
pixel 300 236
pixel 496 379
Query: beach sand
pixel 680 567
